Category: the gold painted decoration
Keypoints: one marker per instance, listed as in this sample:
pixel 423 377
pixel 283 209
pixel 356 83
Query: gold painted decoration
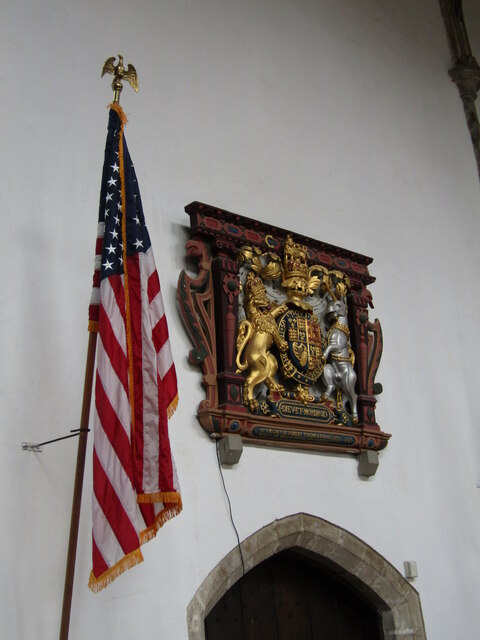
pixel 119 74
pixel 280 326
pixel 256 336
pixel 286 340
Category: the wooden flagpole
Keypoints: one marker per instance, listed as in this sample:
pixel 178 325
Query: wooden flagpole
pixel 78 486
pixel 119 72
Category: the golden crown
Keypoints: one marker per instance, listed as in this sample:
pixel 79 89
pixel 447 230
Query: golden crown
pixel 295 260
pixel 253 285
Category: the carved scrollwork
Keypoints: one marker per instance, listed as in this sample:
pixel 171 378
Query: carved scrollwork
pixel 195 300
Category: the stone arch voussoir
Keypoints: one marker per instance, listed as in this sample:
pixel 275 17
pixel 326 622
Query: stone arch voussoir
pixel 329 545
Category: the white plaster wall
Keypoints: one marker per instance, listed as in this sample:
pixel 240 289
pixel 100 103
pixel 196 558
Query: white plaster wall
pixel 333 118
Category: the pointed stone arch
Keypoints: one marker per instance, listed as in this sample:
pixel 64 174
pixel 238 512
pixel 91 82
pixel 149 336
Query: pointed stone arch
pixel 328 545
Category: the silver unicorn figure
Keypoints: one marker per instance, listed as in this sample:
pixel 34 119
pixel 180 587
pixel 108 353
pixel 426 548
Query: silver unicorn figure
pixel 339 372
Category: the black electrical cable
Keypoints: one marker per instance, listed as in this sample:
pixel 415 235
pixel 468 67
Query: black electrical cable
pixel 230 507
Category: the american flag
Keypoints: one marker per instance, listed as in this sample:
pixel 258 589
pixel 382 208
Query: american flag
pixel 135 486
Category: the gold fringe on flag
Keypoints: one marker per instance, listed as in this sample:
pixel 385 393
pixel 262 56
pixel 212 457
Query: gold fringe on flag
pixel 120 112
pixel 129 561
pixel 167 497
pixel 172 407
pixel 169 512
pixel 123 118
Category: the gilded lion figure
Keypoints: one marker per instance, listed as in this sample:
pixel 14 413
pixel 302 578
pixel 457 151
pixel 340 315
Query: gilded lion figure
pixel 255 337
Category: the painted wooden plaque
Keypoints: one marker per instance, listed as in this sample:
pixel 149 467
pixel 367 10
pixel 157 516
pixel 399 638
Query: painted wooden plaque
pixel 280 326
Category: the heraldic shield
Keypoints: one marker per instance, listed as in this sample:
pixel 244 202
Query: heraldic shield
pixel 279 324
pixel 304 361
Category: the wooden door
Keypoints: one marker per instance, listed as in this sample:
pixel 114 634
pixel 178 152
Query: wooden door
pixel 289 598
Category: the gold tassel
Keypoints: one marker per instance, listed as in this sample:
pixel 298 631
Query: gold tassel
pixel 120 112
pixel 93 326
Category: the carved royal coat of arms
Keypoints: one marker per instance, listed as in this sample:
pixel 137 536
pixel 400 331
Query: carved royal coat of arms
pixel 279 324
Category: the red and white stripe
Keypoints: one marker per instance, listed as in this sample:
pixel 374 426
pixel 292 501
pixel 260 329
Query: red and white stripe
pixel 135 482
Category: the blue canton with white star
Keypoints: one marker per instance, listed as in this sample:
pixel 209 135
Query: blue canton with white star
pixel 110 211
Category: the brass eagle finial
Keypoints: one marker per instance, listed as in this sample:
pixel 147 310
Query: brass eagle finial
pixel 119 74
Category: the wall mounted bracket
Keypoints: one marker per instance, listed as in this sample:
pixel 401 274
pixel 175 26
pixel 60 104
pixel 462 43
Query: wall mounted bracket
pixel 37 447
